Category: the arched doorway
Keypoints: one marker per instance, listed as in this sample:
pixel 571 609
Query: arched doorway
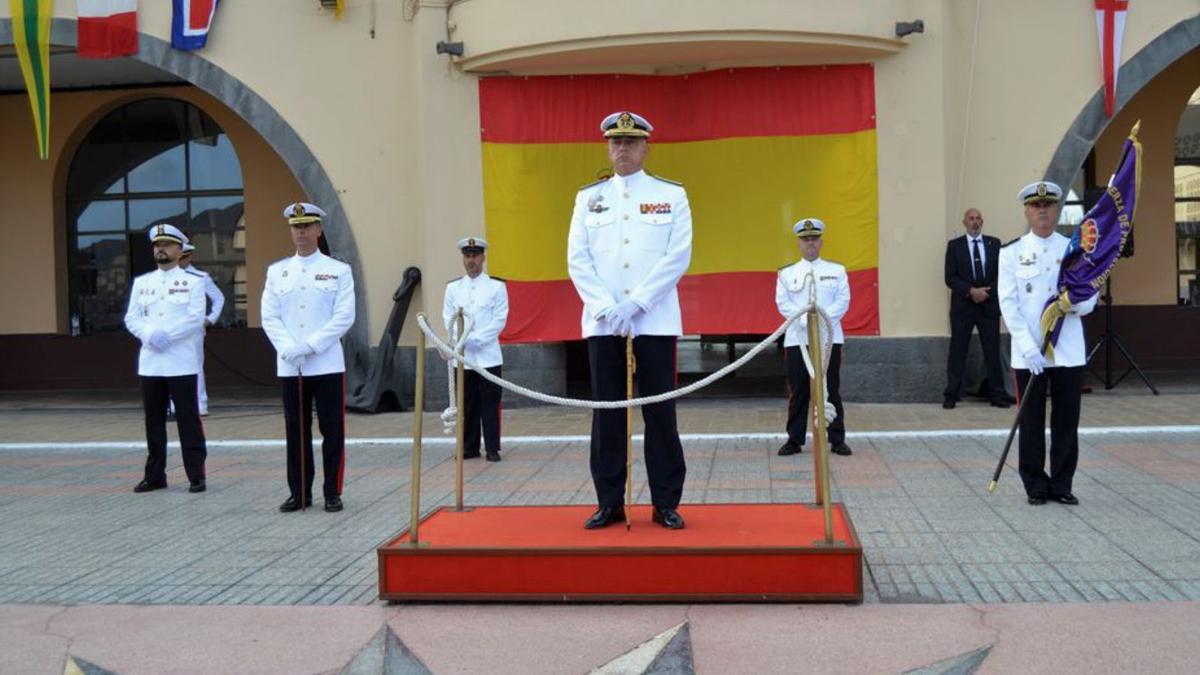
pixel 275 130
pixel 151 161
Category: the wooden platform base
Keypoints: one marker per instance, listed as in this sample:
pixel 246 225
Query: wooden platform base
pixel 727 553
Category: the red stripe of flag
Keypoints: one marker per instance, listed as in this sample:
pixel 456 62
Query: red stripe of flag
pixel 107 37
pixel 718 304
pixel 718 104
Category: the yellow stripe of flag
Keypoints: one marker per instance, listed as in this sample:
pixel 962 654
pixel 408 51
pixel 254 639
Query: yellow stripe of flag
pixel 745 195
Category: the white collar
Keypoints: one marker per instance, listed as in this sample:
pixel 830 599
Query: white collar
pixel 632 180
pixel 306 260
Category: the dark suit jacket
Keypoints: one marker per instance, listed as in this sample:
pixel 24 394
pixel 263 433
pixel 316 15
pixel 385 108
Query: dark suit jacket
pixel 960 279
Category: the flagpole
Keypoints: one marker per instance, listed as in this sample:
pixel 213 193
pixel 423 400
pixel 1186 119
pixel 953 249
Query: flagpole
pixel 1017 420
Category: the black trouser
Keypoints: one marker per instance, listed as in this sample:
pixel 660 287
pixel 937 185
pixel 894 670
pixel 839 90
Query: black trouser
pixel 961 325
pixel 328 392
pixel 156 391
pixel 482 402
pixel 655 374
pixel 798 387
pixel 1064 386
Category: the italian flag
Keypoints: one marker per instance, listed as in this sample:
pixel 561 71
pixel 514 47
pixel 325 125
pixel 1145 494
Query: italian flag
pixel 756 148
pixel 107 28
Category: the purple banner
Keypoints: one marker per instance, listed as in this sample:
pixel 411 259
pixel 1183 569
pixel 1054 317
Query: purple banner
pixel 1097 241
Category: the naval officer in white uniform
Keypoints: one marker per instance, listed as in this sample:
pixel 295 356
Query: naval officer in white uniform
pixel 307 306
pixel 833 296
pixel 166 313
pixel 484 301
pixel 630 242
pixel 216 301
pixel 1028 277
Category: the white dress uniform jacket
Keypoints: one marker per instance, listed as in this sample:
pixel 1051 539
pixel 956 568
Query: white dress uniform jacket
pixel 630 237
pixel 833 296
pixel 309 299
pixel 171 302
pixel 1028 277
pixel 484 300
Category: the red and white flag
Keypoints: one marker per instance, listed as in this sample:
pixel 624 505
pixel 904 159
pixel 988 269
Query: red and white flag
pixel 107 28
pixel 1110 25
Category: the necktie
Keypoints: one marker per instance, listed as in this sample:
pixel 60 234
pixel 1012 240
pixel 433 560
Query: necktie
pixel 977 263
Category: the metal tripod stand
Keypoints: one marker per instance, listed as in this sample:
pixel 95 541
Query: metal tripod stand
pixel 1110 339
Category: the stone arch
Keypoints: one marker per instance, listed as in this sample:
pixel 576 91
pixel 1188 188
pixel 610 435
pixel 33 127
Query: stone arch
pixel 269 124
pixel 1092 121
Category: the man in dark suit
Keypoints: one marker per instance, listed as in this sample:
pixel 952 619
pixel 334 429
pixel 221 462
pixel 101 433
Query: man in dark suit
pixel 971 264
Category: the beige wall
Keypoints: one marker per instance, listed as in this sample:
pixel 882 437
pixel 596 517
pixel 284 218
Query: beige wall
pixel 395 126
pixel 32 227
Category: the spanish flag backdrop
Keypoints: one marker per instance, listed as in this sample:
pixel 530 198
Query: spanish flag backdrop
pixel 756 148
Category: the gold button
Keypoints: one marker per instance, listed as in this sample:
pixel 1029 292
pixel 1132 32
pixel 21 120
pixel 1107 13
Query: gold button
pixel 160 313
pixel 626 195
pixel 626 240
pixel 302 325
pixel 626 216
pixel 626 265
pixel 301 306
pixel 626 291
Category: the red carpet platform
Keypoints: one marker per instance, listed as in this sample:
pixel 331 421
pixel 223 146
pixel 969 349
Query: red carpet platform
pixel 727 552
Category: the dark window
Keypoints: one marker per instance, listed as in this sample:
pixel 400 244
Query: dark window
pixel 1187 202
pixel 149 162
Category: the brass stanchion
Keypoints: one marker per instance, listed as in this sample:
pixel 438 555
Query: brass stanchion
pixel 418 410
pixel 629 367
pixel 460 423
pixel 820 440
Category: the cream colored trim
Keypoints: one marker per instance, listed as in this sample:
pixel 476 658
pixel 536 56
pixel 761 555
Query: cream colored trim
pixel 694 48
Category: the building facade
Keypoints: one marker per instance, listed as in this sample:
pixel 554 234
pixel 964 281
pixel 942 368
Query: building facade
pixel 368 117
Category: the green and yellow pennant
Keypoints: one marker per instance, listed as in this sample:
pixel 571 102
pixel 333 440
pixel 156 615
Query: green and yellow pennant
pixel 31 37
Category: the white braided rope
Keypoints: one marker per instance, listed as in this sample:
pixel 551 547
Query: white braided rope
pixel 450 414
pixel 449 352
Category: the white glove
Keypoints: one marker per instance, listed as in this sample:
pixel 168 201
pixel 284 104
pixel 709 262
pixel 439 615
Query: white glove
pixel 603 312
pixel 621 317
pixel 295 352
pixel 159 340
pixel 1034 361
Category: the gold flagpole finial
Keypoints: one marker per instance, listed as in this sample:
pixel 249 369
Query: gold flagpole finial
pixel 1134 131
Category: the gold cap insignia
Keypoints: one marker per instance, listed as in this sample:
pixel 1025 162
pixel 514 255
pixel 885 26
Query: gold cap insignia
pixel 1041 189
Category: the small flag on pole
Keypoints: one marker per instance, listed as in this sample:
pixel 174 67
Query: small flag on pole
pixel 1110 28
pixel 1097 241
pixel 107 28
pixel 190 23
pixel 31 39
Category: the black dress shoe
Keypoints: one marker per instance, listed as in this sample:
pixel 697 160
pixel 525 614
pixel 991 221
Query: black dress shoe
pixel 197 486
pixel 333 504
pixel 949 403
pixel 467 455
pixel 1009 399
pixel 493 457
pixel 841 449
pixel 605 516
pixel 150 486
pixel 1068 499
pixel 669 518
pixel 790 448
pixel 293 504
pixel 1000 403
pixel 1036 501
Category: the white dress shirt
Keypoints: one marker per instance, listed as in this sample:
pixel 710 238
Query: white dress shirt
pixel 1028 278
pixel 630 237
pixel 170 301
pixel 833 296
pixel 309 299
pixel 484 300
